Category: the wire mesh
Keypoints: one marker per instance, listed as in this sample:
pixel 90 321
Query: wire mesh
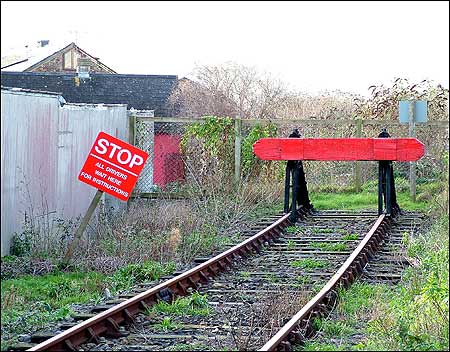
pixel 165 166
pixel 179 161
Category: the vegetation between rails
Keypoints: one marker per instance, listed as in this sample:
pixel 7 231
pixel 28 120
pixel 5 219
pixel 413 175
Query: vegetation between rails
pixel 412 316
pixel 55 292
pixel 309 264
pixel 116 253
pixel 124 249
pixel 195 304
pixel 330 246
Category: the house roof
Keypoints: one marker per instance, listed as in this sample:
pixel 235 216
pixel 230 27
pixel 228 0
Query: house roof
pixel 24 90
pixel 41 55
pixel 142 92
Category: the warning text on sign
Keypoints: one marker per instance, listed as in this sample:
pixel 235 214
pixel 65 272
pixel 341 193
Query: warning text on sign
pixel 113 166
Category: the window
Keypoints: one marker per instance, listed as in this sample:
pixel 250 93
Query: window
pixel 70 60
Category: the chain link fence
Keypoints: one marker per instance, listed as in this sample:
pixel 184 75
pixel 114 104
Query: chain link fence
pixel 165 167
pixel 184 155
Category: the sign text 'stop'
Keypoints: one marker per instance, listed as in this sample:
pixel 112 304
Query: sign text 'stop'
pixel 113 166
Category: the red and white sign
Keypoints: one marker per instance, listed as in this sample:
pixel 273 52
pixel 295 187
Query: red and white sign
pixel 113 166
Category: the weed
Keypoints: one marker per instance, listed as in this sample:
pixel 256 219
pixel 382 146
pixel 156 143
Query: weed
pixel 405 239
pixel 350 237
pixel 333 329
pixel 309 263
pixel 166 324
pixel 272 278
pixel 303 280
pixel 195 304
pixel 318 346
pixel 244 274
pixel 320 230
pixel 290 245
pixel 329 246
pixel 317 324
pixel 189 347
pixel 131 274
pixel 291 229
pixel 21 244
pixel 199 242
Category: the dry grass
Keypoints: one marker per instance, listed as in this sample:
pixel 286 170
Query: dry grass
pixel 251 330
pixel 161 230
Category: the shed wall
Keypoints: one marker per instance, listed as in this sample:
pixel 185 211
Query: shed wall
pixel 43 147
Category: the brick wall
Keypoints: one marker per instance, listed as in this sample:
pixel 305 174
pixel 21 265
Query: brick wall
pixel 57 64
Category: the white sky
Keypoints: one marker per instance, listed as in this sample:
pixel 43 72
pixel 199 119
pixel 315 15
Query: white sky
pixel 310 45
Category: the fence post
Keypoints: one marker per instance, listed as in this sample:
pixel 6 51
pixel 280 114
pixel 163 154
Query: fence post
pixel 412 164
pixel 132 129
pixel 237 149
pixel 359 124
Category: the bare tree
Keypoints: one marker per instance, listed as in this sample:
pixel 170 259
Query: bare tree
pixel 228 90
pixel 383 103
pixel 237 90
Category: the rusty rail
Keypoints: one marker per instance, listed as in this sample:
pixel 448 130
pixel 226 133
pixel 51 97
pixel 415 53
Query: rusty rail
pixel 107 322
pixel 347 273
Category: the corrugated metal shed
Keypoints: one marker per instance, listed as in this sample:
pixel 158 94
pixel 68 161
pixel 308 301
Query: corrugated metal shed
pixel 43 147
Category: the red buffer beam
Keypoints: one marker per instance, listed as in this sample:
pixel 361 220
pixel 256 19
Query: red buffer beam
pixel 343 149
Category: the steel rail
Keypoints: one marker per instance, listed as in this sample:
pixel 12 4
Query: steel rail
pixel 107 322
pixel 346 274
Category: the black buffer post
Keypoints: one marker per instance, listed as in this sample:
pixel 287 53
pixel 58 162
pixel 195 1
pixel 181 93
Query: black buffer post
pixel 386 185
pixel 300 196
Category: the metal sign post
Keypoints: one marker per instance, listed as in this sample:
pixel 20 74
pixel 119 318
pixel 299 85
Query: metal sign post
pixel 412 112
pixel 412 164
pixel 113 167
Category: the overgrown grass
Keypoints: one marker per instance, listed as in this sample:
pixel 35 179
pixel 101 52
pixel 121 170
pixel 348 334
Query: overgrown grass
pixel 292 229
pixel 321 230
pixel 141 246
pixel 333 329
pixel 416 317
pixel 350 237
pixel 412 316
pixel 363 200
pixel 309 263
pixel 195 304
pixel 132 274
pixel 32 302
pixel 346 198
pixel 329 246
pixel 166 324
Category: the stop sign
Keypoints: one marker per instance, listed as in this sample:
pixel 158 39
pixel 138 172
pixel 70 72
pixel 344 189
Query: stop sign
pixel 113 166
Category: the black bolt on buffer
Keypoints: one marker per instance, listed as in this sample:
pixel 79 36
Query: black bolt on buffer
pixel 386 184
pixel 300 197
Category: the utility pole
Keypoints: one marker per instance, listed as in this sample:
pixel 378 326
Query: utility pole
pixel 412 164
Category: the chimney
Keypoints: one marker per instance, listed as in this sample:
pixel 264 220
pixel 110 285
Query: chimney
pixel 43 43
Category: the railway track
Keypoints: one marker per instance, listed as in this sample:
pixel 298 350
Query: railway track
pixel 260 294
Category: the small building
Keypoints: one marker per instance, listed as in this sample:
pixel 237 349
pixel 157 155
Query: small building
pixel 48 58
pixel 140 92
pixel 44 144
